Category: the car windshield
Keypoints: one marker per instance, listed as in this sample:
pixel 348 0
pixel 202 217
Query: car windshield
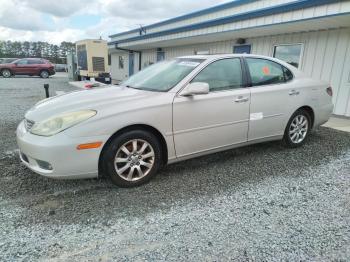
pixel 162 76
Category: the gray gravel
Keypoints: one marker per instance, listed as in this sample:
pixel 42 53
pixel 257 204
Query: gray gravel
pixel 262 202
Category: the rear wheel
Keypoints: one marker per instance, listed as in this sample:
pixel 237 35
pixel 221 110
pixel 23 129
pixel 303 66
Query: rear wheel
pixel 6 73
pixel 44 74
pixel 298 129
pixel 132 158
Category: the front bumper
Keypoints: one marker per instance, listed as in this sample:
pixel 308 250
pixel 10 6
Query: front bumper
pixel 57 156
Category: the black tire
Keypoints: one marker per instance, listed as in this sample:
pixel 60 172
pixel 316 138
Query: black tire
pixel 6 73
pixel 288 142
pixel 44 74
pixel 111 149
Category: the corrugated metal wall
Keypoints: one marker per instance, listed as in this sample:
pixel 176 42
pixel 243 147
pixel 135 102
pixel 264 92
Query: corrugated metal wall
pixel 326 55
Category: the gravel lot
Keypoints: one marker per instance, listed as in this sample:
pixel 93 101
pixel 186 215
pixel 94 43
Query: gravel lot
pixel 261 202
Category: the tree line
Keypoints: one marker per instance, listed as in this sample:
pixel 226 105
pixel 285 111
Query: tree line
pixel 54 53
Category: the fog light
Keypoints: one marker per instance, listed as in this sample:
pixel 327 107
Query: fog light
pixel 44 165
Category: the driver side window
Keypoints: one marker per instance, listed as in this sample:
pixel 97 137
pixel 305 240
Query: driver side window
pixel 222 75
pixel 22 62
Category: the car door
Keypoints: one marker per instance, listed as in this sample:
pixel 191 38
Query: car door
pixel 215 120
pixel 34 66
pixel 22 67
pixel 273 98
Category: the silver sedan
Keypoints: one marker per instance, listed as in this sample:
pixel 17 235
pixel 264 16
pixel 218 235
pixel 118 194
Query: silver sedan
pixel 172 111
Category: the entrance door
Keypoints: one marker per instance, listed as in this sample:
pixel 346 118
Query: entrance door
pixel 242 49
pixel 131 64
pixel 160 56
pixel 215 120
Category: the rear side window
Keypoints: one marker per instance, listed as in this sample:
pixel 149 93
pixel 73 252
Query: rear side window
pixel 35 61
pixel 265 72
pixel 222 75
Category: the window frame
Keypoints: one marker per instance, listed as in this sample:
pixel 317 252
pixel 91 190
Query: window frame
pixel 282 67
pixel 23 59
pixel 245 80
pixel 290 44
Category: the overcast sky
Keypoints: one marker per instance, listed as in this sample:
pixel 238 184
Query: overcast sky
pixel 55 21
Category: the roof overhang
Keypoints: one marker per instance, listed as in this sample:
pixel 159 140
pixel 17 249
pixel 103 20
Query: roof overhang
pixel 303 25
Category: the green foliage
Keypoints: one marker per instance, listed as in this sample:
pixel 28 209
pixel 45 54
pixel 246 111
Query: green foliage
pixel 54 53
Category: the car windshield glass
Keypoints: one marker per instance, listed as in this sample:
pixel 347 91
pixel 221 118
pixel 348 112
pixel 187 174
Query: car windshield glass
pixel 162 76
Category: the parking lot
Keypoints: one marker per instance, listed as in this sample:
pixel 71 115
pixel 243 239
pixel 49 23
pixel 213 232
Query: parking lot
pixel 262 202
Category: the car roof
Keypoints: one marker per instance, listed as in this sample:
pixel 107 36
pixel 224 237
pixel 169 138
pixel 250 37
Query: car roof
pixel 209 58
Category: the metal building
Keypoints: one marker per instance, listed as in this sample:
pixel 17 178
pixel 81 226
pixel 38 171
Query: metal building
pixel 313 35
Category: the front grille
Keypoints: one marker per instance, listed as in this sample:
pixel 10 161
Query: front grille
pixel 28 124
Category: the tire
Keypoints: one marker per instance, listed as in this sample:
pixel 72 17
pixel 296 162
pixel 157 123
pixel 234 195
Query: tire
pixel 122 163
pixel 6 73
pixel 298 129
pixel 44 74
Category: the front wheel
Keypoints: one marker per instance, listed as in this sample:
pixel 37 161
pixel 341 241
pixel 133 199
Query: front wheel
pixel 298 129
pixel 44 74
pixel 132 158
pixel 6 73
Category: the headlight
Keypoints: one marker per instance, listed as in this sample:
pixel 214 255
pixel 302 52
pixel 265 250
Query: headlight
pixel 61 122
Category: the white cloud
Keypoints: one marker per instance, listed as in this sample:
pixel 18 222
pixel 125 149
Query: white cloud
pixel 54 37
pixel 15 15
pixel 60 8
pixel 48 20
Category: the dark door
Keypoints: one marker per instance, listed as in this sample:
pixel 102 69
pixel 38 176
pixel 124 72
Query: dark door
pixel 242 49
pixel 160 56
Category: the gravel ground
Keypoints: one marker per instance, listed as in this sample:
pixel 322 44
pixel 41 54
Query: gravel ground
pixel 261 202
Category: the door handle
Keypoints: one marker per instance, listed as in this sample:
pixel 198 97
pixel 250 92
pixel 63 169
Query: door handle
pixel 294 93
pixel 241 99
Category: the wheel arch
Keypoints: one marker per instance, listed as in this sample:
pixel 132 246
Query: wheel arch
pixel 311 113
pixel 2 69
pixel 42 70
pixel 145 127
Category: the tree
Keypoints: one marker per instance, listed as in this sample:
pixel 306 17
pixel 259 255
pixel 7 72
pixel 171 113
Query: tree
pixel 54 53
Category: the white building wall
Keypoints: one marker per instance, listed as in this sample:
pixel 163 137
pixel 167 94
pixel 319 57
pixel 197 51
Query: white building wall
pixel 117 73
pixel 326 55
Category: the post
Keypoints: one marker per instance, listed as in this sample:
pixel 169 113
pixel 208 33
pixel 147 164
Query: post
pixel 46 86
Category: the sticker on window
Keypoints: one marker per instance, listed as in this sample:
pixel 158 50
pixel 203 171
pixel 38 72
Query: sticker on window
pixel 189 63
pixel 266 70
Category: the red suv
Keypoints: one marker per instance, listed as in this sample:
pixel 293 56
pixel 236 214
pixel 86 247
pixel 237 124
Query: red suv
pixel 28 66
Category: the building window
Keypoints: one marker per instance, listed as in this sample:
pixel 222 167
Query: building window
pixel 289 53
pixel 109 59
pixel 121 62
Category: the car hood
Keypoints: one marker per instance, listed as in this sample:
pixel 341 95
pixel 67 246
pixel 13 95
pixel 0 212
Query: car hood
pixel 109 98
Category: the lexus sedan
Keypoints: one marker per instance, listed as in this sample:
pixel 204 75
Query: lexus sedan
pixel 172 111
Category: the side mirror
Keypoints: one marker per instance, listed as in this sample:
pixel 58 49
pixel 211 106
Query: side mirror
pixel 196 88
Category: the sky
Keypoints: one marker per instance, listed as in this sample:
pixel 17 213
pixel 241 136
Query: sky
pixel 55 21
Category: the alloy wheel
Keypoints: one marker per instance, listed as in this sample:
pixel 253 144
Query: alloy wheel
pixel 298 129
pixel 134 160
pixel 44 74
pixel 6 73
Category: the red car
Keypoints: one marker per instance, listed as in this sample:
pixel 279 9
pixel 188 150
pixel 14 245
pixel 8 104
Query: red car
pixel 28 66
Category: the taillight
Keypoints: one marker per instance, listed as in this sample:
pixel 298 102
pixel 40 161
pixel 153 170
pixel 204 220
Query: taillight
pixel 330 91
